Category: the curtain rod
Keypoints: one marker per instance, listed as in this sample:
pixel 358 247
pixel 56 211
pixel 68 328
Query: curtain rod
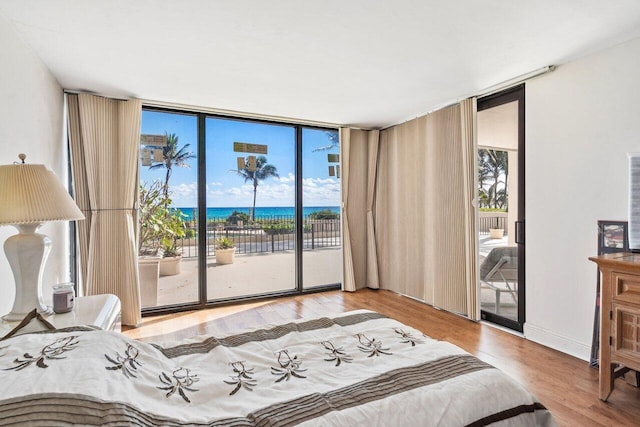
pixel 516 80
pixel 487 91
pixel 102 95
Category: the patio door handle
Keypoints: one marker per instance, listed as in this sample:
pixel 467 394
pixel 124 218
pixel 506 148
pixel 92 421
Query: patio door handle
pixel 520 232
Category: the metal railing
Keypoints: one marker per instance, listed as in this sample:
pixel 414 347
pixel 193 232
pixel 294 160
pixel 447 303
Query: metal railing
pixel 277 234
pixel 488 222
pixel 273 234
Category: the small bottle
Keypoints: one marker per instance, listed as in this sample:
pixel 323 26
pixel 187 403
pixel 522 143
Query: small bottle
pixel 63 297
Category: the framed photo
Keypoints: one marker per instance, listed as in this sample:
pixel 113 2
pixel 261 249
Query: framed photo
pixel 612 237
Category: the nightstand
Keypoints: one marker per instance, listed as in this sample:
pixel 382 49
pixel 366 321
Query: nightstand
pixel 102 311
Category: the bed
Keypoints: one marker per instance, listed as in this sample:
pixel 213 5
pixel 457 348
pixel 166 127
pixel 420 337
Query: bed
pixel 357 368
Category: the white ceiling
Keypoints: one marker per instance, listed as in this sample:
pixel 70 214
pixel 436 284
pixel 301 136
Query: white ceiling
pixel 366 63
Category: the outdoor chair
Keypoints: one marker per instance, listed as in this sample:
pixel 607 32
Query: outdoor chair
pixel 499 271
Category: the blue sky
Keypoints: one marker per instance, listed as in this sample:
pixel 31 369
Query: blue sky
pixel 227 189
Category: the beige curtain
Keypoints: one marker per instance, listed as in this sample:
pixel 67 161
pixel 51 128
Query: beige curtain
pixel 469 145
pixel 401 210
pixel 372 169
pixel 80 189
pixel 447 211
pixel 359 260
pixel 105 141
pixel 425 218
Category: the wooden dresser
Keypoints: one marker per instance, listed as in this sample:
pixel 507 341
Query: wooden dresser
pixel 619 316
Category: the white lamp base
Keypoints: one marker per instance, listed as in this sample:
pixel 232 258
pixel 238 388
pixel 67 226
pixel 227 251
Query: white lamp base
pixel 27 252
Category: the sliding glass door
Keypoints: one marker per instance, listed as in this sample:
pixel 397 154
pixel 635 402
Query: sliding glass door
pixel 322 253
pixel 234 208
pixel 168 216
pixel 501 195
pixel 251 179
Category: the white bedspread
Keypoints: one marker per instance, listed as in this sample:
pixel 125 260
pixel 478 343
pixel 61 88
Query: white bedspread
pixel 358 369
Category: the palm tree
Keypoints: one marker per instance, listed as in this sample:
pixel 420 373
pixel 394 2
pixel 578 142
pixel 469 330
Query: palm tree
pixel 334 141
pixel 262 171
pixel 494 164
pixel 483 177
pixel 173 156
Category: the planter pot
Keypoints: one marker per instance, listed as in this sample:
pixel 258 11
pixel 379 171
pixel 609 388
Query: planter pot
pixel 170 266
pixel 149 271
pixel 225 256
pixel 496 233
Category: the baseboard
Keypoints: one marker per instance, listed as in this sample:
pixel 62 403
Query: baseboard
pixel 557 342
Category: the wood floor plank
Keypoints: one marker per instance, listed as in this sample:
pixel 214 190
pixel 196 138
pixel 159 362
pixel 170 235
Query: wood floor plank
pixel 564 384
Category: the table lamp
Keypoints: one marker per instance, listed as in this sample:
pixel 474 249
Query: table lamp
pixel 31 195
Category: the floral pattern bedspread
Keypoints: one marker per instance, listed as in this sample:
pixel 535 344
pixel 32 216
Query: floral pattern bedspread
pixel 358 368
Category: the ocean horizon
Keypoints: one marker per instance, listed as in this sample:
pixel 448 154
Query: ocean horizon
pixel 261 212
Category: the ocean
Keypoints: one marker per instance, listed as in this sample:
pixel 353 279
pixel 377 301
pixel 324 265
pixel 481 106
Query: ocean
pixel 261 212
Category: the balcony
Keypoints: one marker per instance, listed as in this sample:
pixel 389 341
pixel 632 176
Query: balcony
pixel 264 261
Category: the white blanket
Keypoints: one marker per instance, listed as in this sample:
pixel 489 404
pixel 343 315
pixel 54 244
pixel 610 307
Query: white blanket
pixel 360 368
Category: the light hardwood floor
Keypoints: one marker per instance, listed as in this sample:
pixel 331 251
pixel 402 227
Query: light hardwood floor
pixel 567 386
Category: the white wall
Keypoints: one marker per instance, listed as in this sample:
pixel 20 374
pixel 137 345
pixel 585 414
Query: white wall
pixel 581 121
pixel 31 118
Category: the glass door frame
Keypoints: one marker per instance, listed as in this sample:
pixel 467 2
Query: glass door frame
pixel 297 213
pixel 203 302
pixel 516 93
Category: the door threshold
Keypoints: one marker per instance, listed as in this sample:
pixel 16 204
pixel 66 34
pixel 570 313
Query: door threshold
pixel 503 328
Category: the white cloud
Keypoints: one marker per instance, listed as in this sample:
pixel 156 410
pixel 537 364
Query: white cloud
pixel 321 192
pixel 184 195
pixel 277 192
pixel 239 191
pixel 289 178
pixel 322 181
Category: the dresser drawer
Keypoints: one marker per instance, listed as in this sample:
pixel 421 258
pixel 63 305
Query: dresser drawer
pixel 625 287
pixel 625 329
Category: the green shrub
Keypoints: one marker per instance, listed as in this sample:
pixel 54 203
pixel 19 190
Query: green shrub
pixel 237 216
pixel 281 228
pixel 224 243
pixel 324 214
pixel 152 216
pixel 174 229
pixel 492 209
pixel 160 225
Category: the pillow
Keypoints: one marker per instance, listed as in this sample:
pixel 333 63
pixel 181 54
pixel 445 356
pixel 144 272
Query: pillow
pixel 33 322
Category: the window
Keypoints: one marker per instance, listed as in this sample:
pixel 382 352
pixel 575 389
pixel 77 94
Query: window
pixel 235 208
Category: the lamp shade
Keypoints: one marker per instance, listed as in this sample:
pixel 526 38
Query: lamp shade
pixel 32 194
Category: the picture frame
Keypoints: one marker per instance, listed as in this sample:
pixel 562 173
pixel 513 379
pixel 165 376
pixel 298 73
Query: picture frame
pixel 613 236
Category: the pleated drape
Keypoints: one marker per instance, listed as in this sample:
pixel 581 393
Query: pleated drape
pixel 446 211
pixel 425 218
pixel 469 145
pixel 348 275
pixel 401 210
pixel 80 189
pixel 105 141
pixel 372 171
pixel 358 239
